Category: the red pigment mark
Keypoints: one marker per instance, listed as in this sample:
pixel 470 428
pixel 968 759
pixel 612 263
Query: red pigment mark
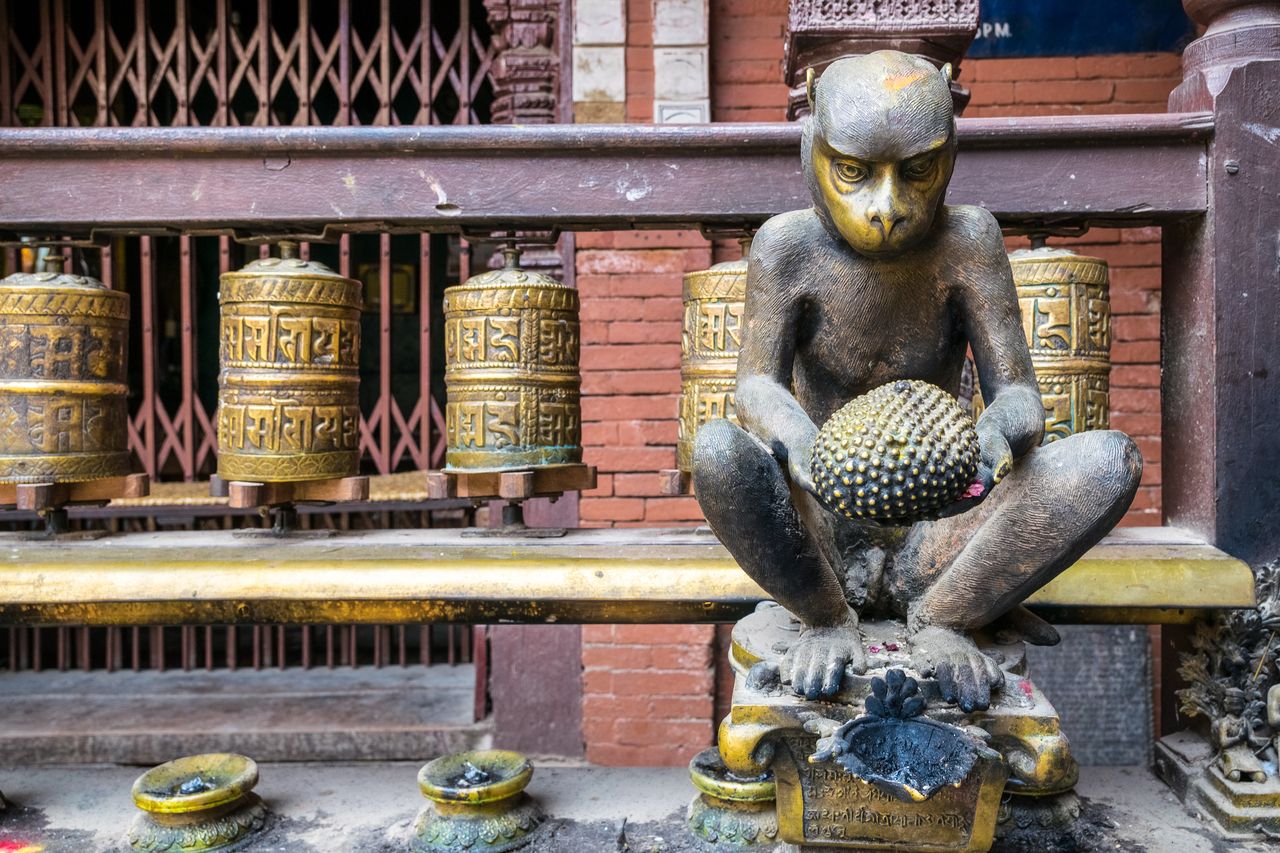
pixel 875 650
pixel 8 845
pixel 974 491
pixel 890 647
pixel 1026 687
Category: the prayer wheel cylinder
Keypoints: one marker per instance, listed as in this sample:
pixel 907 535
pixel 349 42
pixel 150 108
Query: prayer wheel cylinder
pixel 63 377
pixel 288 390
pixel 713 311
pixel 1066 314
pixel 511 343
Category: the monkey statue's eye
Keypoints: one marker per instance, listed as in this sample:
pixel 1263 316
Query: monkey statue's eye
pixel 850 173
pixel 918 169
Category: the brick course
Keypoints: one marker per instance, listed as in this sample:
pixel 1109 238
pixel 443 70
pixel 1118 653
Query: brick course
pixel 648 690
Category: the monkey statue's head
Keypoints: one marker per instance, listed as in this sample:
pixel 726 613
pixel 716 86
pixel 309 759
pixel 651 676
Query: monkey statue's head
pixel 879 148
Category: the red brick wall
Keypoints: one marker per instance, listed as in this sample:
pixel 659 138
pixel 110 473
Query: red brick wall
pixel 648 690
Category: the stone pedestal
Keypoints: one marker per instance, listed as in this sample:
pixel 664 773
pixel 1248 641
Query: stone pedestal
pixel 1240 810
pixel 820 806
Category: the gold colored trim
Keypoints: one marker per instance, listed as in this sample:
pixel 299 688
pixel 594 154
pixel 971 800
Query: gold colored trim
pixel 588 576
pixel 233 775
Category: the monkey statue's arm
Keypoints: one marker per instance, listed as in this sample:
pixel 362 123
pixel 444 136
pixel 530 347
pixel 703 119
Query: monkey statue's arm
pixel 1013 421
pixel 764 402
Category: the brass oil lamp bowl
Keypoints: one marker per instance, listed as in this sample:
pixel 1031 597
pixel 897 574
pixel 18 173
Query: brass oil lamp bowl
pixel 476 803
pixel 197 803
pixel 730 809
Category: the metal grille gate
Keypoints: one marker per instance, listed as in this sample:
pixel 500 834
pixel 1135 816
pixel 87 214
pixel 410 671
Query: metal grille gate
pixel 96 63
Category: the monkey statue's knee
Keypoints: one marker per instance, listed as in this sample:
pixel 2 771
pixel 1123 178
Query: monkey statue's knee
pixel 1113 462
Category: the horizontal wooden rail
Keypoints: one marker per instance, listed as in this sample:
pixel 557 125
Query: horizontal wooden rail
pixel 406 576
pixel 308 181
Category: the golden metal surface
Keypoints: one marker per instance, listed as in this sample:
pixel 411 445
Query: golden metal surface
pixel 63 377
pixel 713 306
pixel 288 390
pixel 197 803
pixel 511 345
pixel 651 575
pixel 1066 314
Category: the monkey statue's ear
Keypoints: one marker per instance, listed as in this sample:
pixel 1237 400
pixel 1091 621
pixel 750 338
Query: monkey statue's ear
pixel 947 72
pixel 809 83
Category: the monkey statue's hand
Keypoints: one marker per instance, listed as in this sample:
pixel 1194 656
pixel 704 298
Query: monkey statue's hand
pixel 995 461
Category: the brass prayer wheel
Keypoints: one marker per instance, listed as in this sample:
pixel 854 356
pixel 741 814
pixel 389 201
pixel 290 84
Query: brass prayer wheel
pixel 713 310
pixel 511 344
pixel 1066 314
pixel 63 377
pixel 289 352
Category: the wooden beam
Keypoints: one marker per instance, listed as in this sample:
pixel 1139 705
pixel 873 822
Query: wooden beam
pixel 588 576
pixel 306 181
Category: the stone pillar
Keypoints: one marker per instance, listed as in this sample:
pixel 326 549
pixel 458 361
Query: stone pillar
pixel 818 33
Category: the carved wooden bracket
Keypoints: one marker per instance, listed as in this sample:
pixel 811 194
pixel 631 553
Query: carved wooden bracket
pixel 526 64
pixel 821 31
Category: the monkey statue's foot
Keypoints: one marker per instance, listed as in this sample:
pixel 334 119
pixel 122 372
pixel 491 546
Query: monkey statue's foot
pixel 814 666
pixel 965 675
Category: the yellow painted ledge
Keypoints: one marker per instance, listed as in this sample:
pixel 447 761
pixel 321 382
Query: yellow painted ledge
pixel 601 576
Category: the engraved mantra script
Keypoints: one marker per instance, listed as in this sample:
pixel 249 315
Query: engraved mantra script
pixel 473 341
pixel 278 337
pixel 283 428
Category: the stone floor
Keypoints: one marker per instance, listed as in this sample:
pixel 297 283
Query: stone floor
pixel 323 808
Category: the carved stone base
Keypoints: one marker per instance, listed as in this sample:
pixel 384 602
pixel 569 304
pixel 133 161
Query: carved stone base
pixel 181 833
pixel 1239 810
pixel 1020 814
pixel 765 730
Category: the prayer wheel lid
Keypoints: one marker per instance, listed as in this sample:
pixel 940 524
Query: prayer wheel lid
pixel 51 275
pixel 511 274
pixel 1043 252
pixel 339 289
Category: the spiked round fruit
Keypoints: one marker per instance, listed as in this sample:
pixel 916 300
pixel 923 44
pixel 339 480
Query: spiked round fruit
pixel 898 454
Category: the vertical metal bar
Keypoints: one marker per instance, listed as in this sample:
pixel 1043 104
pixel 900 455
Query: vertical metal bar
pixel 256 636
pixel 464 62
pixel 105 262
pixel 147 434
pixel 100 39
pixel 46 66
pixel 135 648
pixel 61 641
pixel 281 661
pixel 86 661
pixel 328 646
pixel 208 647
pixel 183 116
pixel 140 61
pixel 384 63
pixel 223 95
pixel 304 63
pixel 157 648
pixel 186 639
pixel 24 648
pixel 115 648
pixel 385 402
pixel 264 65
pixel 186 420
pixel 307 637
pixel 344 64
pixel 424 351
pixel 37 648
pixel 426 115
pixel 344 255
pixel 7 116
pixel 233 649
pixel 61 96
pixel 452 651
pixel 377 646
pixel 424 645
